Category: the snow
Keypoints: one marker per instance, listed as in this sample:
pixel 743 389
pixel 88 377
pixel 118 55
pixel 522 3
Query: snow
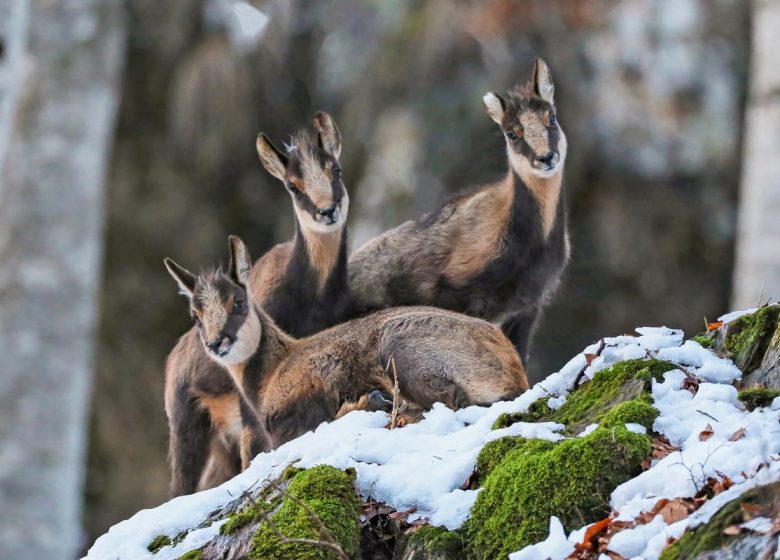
pixel 728 317
pixel 423 466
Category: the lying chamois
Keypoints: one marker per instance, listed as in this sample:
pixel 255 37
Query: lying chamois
pixel 302 284
pixel 496 253
pixel 295 384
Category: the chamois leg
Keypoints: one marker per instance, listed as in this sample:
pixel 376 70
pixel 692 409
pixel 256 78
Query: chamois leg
pixel 223 464
pixel 190 433
pixel 519 329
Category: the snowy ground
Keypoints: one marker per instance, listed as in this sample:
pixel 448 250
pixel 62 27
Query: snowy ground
pixel 423 466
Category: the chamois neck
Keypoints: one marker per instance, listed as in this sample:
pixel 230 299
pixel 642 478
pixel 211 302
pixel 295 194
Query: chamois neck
pixel 546 190
pixel 321 251
pixel 273 347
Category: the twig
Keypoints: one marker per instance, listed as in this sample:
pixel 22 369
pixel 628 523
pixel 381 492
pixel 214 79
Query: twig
pixel 599 350
pixel 707 415
pixel 331 543
pixel 396 393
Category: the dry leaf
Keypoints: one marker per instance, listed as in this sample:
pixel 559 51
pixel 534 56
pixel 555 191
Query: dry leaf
pixel 590 357
pixel 713 326
pixel 732 530
pixel 706 433
pixel 594 530
pixel 675 510
pixel 739 434
pixel 751 511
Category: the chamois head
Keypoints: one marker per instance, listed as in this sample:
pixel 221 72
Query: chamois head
pixel 535 141
pixel 220 307
pixel 311 172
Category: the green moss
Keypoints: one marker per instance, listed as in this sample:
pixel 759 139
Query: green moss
pixel 330 493
pixel 537 412
pixel 703 340
pixel 239 519
pixel 757 397
pixel 637 411
pixel 747 337
pixel 433 543
pixel 572 480
pixel 625 381
pixel 622 382
pixel 158 542
pixel 710 536
pixel 289 472
pixel 493 452
pixel 191 555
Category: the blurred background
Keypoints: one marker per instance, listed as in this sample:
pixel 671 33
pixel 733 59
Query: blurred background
pixel 127 135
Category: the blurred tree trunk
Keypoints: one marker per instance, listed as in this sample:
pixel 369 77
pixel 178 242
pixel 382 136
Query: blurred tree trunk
pixel 757 270
pixel 59 71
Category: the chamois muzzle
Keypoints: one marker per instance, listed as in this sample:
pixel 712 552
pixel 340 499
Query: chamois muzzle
pixel 222 345
pixel 329 216
pixel 547 161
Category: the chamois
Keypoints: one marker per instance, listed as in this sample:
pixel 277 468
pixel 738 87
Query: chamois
pixel 496 253
pixel 293 385
pixel 302 284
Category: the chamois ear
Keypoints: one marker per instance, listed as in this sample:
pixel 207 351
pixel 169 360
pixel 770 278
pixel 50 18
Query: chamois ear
pixel 240 263
pixel 328 135
pixel 274 161
pixel 542 80
pixel 495 106
pixel 184 278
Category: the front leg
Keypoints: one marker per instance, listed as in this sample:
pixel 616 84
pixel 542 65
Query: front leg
pixel 252 440
pixel 518 329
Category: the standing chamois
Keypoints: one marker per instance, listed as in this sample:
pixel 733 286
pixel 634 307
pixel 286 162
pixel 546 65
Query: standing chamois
pixel 302 284
pixel 495 253
pixel 293 385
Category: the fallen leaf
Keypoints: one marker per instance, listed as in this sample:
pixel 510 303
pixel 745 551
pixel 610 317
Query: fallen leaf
pixel 662 447
pixel 732 530
pixel 739 434
pixel 594 530
pixel 675 510
pixel 691 384
pixel 706 433
pixel 751 511
pixel 713 326
pixel 589 358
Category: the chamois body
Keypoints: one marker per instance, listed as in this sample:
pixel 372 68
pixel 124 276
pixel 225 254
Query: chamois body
pixel 302 284
pixel 496 253
pixel 292 385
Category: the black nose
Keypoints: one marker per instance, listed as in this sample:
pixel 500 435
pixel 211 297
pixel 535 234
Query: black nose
pixel 217 344
pixel 327 213
pixel 546 159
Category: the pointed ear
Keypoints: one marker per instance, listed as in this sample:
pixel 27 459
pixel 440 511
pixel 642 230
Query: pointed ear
pixel 240 263
pixel 542 80
pixel 274 161
pixel 495 106
pixel 184 278
pixel 328 135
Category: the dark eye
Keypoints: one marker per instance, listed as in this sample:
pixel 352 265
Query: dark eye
pixel 336 173
pixel 294 191
pixel 195 319
pixel 553 119
pixel 239 304
pixel 511 136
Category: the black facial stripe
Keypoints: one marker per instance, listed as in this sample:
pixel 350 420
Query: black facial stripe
pixel 553 135
pixel 525 149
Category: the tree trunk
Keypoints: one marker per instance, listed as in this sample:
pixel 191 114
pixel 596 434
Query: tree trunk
pixel 757 270
pixel 59 70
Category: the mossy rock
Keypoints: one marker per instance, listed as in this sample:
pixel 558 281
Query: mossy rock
pixel 747 338
pixel 431 543
pixel 572 479
pixel 757 397
pixel 239 520
pixel 493 452
pixel 192 555
pixel 637 411
pixel 710 536
pixel 158 542
pixel 330 493
pixel 705 340
pixel 625 381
